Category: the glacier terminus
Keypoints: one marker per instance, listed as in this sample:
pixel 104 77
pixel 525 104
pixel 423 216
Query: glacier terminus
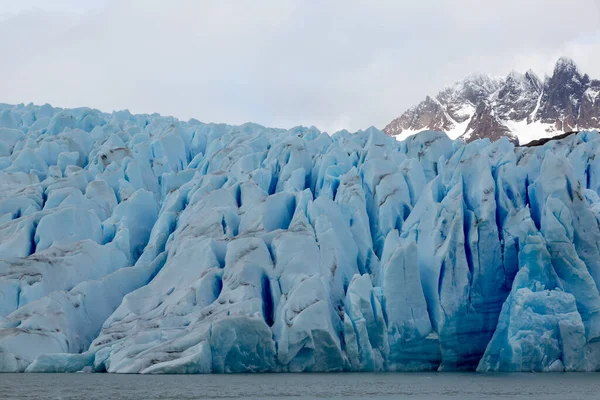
pixel 145 244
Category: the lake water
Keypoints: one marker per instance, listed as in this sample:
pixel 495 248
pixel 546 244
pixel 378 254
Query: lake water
pixel 301 386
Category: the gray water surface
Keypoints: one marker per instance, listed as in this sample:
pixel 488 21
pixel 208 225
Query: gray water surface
pixel 301 386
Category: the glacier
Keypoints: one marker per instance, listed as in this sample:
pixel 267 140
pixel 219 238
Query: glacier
pixel 145 244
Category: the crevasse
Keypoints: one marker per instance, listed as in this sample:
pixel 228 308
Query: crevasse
pixel 143 244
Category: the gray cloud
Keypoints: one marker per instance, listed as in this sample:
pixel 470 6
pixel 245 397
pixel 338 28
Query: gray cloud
pixel 334 64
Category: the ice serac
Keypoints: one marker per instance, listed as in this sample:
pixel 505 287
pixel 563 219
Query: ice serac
pixel 539 327
pixel 414 344
pixel 145 244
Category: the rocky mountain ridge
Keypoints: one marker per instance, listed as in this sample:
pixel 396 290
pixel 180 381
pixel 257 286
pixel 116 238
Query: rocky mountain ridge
pixel 520 106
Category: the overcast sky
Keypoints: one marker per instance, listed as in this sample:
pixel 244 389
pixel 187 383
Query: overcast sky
pixel 332 64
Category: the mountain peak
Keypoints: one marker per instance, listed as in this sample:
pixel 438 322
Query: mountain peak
pixel 565 64
pixel 486 81
pixel 478 77
pixel 531 72
pixel 515 75
pixel 520 106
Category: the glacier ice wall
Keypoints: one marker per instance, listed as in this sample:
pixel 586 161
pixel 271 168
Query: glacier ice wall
pixel 143 244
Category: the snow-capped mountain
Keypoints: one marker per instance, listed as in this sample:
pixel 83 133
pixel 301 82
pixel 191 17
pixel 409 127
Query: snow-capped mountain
pixel 522 107
pixel 144 244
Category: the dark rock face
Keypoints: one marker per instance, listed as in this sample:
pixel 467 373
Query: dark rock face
pixel 518 96
pixel 484 124
pixel 589 111
pixel 484 107
pixel 428 113
pixel 541 142
pixel 562 96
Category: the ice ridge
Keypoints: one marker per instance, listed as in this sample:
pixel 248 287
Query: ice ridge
pixel 145 244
